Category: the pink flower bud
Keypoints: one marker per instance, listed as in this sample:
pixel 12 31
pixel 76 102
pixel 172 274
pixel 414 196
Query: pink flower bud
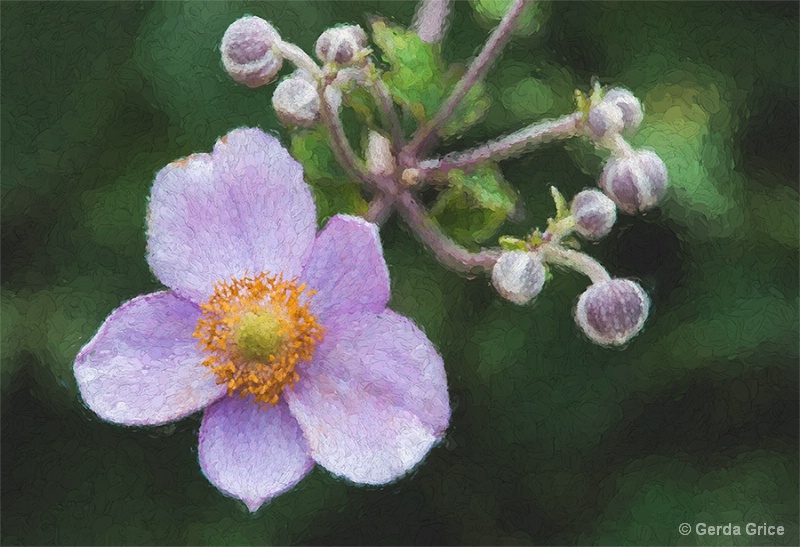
pixel 612 312
pixel 296 100
pixel 518 276
pixel 341 44
pixel 628 104
pixel 594 213
pixel 636 181
pixel 248 52
pixel 605 119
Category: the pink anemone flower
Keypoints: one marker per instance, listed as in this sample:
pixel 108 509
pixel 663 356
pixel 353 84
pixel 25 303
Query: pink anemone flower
pixel 280 334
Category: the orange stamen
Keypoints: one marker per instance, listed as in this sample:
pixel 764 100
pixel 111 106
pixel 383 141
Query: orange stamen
pixel 298 332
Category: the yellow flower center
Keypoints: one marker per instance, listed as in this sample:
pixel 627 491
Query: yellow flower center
pixel 255 330
pixel 258 336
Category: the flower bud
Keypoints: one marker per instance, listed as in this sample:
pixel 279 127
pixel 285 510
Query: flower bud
pixel 628 104
pixel 248 52
pixel 605 119
pixel 296 100
pixel 341 44
pixel 594 214
pixel 612 312
pixel 518 276
pixel 380 159
pixel 636 181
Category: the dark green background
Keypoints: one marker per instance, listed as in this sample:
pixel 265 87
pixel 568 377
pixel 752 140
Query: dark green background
pixel 552 440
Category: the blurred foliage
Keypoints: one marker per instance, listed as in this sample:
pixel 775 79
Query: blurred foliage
pixel 489 12
pixel 553 440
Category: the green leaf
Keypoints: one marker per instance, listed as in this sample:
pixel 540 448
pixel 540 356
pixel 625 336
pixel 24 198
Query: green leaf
pixel 475 205
pixel 562 208
pixel 310 147
pixel 360 100
pixel 510 243
pixel 416 69
pixel 472 107
pixel 333 191
pixel 419 80
pixel 337 197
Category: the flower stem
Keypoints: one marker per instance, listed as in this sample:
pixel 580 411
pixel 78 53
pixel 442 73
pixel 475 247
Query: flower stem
pixel 379 209
pixel 506 147
pixel 384 100
pixel 476 71
pixel 559 230
pixel 574 260
pixel 299 58
pixel 329 110
pixel 448 252
pixel 430 20
pixel 618 146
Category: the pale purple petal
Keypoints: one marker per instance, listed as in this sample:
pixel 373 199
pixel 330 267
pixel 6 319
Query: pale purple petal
pixel 243 209
pixel 347 269
pixel 143 367
pixel 252 452
pixel 374 400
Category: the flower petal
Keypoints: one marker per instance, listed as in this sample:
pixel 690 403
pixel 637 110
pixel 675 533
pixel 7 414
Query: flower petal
pixel 252 452
pixel 243 209
pixel 346 269
pixel 143 366
pixel 374 400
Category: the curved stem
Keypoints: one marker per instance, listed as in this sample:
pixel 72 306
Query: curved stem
pixel 430 20
pixel 330 102
pixel 508 146
pixel 300 58
pixel 384 99
pixel 476 71
pixel 448 252
pixel 329 110
pixel 574 260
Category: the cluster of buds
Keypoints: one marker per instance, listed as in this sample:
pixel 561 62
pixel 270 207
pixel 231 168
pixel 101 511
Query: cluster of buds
pixel 635 179
pixel 253 54
pixel 611 311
